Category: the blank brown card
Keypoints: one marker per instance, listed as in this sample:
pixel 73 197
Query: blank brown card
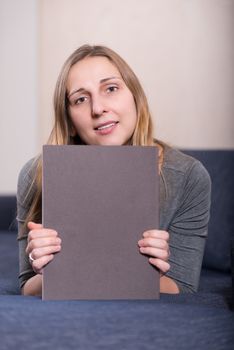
pixel 100 199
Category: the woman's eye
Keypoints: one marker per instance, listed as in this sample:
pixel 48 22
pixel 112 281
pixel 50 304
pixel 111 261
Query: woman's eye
pixel 112 88
pixel 81 100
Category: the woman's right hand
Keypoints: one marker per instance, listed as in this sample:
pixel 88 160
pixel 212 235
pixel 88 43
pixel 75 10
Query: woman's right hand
pixel 42 244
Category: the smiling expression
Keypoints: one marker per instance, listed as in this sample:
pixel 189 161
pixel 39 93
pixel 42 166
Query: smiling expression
pixel 101 106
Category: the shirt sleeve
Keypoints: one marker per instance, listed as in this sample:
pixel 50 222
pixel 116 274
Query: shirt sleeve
pixel 25 192
pixel 188 229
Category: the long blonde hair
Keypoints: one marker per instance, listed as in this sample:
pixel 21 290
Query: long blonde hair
pixel 62 129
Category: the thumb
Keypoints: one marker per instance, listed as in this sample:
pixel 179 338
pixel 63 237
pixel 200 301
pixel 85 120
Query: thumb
pixel 32 225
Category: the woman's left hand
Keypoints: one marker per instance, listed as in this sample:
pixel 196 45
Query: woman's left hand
pixel 155 244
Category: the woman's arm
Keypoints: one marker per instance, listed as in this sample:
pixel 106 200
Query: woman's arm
pixel 186 220
pixel 168 285
pixel 33 286
pixel 185 204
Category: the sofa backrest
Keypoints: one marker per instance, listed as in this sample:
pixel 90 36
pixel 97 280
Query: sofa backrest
pixel 220 165
pixel 7 213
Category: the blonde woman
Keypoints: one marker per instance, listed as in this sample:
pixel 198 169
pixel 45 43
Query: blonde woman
pixel 98 100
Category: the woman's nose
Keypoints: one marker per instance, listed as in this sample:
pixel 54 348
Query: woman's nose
pixel 98 106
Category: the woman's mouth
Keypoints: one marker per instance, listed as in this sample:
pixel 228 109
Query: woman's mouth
pixel 106 128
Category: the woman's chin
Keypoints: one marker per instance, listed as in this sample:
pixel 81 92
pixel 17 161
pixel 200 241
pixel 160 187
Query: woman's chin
pixel 110 141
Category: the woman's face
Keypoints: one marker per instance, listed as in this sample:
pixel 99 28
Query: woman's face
pixel 102 108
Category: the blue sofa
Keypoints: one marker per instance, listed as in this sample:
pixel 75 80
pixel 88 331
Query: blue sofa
pixel 204 320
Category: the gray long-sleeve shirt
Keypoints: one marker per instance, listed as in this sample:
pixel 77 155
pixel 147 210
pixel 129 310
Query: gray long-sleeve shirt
pixel 185 189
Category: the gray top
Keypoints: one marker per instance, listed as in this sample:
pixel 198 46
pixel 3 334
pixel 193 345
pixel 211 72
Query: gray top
pixel 185 189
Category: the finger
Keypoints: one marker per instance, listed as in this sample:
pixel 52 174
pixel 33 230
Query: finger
pixel 153 242
pixel 40 252
pixel 43 242
pixel 156 234
pixel 32 225
pixel 40 233
pixel 155 252
pixel 163 266
pixel 40 263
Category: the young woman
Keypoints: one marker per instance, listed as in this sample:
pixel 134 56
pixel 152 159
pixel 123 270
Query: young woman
pixel 98 100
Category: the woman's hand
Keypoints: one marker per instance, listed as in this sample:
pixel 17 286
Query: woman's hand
pixel 42 245
pixel 155 244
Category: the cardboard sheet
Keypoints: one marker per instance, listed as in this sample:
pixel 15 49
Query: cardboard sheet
pixel 100 199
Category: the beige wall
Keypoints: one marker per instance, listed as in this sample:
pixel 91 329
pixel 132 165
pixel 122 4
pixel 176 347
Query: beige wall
pixel 181 50
pixel 18 88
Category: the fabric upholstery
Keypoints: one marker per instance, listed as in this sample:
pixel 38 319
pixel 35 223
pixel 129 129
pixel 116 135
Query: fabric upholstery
pixel 202 320
pixel 29 323
pixel 220 165
pixel 8 213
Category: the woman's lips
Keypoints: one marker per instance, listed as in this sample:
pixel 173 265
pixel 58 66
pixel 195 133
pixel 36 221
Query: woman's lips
pixel 106 128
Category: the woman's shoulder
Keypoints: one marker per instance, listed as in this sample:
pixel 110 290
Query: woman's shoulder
pixel 26 185
pixel 178 164
pixel 27 172
pixel 177 160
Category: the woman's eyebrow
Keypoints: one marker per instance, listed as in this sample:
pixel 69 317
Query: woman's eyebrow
pixel 75 91
pixel 110 78
pixel 101 81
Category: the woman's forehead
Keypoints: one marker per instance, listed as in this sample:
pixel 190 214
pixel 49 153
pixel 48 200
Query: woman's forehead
pixel 93 67
pixel 93 70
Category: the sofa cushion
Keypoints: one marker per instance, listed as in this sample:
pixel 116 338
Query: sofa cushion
pixel 220 165
pixel 28 322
